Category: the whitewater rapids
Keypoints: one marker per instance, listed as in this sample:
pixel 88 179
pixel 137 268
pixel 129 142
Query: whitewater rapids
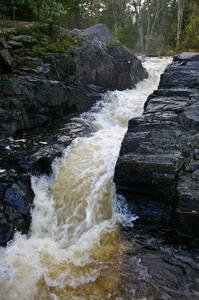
pixel 73 250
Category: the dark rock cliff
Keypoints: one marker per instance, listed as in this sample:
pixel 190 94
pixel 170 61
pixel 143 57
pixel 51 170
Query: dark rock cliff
pixel 48 90
pixel 158 167
pixel 37 90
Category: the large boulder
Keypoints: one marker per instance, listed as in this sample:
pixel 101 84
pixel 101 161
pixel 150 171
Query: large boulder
pixel 157 170
pixel 99 34
pixel 111 68
pixel 101 61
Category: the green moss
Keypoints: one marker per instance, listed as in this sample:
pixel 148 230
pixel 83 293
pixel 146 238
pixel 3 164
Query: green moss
pixel 36 30
pixel 114 43
pixel 48 44
pixel 169 52
pixel 182 173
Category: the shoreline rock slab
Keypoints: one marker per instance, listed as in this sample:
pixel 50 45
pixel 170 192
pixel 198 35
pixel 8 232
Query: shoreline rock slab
pixel 158 164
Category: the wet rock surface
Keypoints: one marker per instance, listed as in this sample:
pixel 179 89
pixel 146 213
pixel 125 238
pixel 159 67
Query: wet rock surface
pixel 157 170
pixel 155 267
pixel 28 103
pixel 38 96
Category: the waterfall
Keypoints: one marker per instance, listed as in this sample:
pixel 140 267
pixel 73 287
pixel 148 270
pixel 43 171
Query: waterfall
pixel 74 250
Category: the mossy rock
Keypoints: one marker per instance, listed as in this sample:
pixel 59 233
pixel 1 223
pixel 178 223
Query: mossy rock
pixel 114 44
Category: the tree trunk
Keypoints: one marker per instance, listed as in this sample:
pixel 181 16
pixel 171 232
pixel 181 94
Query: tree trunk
pixel 139 20
pixel 180 20
pixel 151 25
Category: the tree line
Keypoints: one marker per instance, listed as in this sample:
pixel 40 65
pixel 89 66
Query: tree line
pixel 146 26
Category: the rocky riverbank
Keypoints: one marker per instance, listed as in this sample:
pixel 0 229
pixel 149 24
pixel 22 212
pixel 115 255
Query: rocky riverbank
pixel 154 267
pixel 39 97
pixel 37 89
pixel 157 170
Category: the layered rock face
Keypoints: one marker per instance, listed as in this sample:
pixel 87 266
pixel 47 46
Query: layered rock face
pixel 40 90
pixel 157 170
pixel 36 90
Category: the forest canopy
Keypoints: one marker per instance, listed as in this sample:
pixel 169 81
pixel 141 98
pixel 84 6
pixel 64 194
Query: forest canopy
pixel 146 26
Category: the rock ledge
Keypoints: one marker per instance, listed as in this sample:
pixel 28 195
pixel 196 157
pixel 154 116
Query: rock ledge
pixel 158 167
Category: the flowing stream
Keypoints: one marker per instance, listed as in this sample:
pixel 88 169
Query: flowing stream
pixel 74 250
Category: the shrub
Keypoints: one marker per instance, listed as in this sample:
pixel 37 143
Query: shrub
pixel 191 39
pixel 46 43
pixel 114 43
